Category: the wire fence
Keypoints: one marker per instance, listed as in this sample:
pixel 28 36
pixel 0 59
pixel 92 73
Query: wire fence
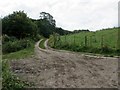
pixel 90 41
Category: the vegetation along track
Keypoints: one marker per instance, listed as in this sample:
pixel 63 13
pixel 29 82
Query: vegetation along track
pixel 54 69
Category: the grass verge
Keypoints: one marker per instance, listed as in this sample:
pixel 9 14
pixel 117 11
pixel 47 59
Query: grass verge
pixel 105 51
pixel 10 81
pixel 41 45
pixel 20 54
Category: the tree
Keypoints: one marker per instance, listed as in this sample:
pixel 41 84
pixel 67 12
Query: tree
pixel 61 31
pixel 47 16
pixel 46 24
pixel 19 25
pixel 44 27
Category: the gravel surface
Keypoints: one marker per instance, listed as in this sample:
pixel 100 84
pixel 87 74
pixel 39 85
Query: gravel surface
pixel 50 68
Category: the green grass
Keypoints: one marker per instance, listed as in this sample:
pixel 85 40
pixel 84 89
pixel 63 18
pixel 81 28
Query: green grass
pixel 20 54
pixel 102 41
pixel 94 38
pixel 41 45
pixel 10 81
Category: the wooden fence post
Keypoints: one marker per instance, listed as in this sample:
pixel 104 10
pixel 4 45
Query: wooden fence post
pixel 90 41
pixel 65 38
pixel 85 41
pixel 102 42
pixel 74 39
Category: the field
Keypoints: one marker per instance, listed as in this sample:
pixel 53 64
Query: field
pixel 102 41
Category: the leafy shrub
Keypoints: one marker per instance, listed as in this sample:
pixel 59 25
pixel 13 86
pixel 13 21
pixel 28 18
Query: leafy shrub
pixel 18 24
pixel 94 50
pixel 36 38
pixel 106 49
pixel 118 52
pixel 16 45
pixel 5 38
pixel 10 81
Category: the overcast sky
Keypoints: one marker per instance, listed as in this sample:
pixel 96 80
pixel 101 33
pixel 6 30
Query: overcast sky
pixel 69 14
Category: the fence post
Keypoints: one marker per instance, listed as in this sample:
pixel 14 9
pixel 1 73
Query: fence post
pixel 85 41
pixel 74 39
pixel 90 41
pixel 102 42
pixel 65 38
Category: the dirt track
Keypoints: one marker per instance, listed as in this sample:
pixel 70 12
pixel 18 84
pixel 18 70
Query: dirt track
pixel 52 69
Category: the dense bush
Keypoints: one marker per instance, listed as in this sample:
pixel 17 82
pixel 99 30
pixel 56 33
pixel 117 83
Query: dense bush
pixel 11 44
pixel 19 25
pixel 106 49
pixel 36 38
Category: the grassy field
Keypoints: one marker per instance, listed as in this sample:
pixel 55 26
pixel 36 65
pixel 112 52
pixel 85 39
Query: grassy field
pixel 94 38
pixel 102 41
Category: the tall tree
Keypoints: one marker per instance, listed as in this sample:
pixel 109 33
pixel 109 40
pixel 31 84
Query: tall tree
pixel 47 16
pixel 46 24
pixel 19 25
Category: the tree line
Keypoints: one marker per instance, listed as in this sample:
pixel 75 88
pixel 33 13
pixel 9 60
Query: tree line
pixel 19 25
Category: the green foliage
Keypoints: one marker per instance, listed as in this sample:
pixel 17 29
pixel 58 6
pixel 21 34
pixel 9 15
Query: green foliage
pixel 10 81
pixel 94 38
pixel 45 28
pixel 48 17
pixel 36 38
pixel 41 45
pixel 51 41
pixel 61 31
pixel 20 54
pixel 19 34
pixel 103 42
pixel 19 25
pixel 16 45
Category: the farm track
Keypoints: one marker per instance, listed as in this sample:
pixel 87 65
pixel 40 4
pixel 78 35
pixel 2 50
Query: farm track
pixel 50 68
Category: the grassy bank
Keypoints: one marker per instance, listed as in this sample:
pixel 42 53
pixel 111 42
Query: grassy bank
pixel 10 81
pixel 102 42
pixel 41 45
pixel 20 54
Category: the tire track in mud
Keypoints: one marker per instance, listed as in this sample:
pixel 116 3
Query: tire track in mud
pixel 55 69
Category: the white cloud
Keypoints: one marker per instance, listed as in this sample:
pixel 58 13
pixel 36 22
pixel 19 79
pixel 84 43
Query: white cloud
pixel 69 14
